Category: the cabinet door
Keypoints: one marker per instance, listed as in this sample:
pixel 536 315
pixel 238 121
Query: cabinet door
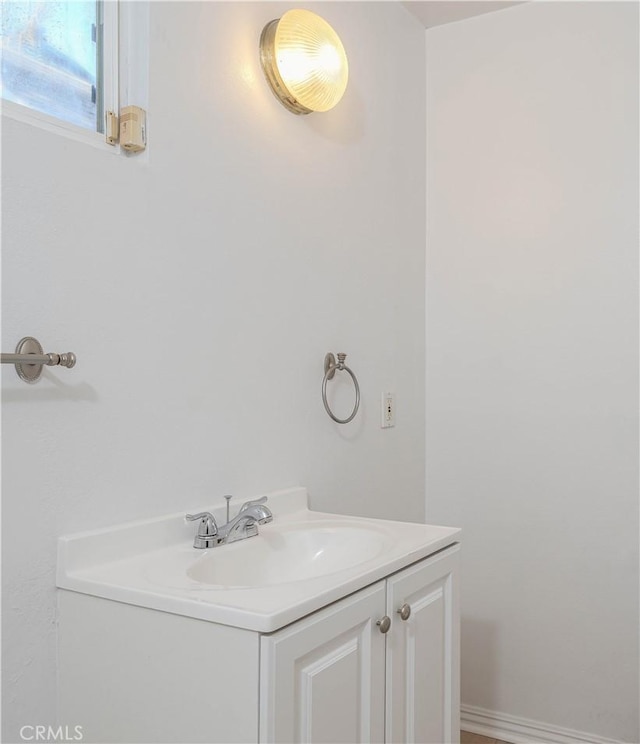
pixel 322 678
pixel 423 678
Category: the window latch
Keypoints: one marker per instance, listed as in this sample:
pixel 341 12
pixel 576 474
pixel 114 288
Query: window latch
pixel 111 132
pixel 130 128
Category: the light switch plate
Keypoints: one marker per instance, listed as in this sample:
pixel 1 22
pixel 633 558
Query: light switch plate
pixel 388 410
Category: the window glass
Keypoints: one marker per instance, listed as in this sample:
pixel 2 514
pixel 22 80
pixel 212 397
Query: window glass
pixel 51 58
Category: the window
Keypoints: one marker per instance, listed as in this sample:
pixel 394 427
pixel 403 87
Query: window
pixel 67 62
pixel 52 59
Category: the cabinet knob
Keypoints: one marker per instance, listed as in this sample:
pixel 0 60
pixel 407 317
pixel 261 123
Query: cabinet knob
pixel 384 624
pixel 405 611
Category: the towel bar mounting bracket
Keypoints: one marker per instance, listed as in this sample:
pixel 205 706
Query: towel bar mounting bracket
pixel 28 349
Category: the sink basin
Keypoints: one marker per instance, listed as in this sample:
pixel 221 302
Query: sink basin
pixel 301 561
pixel 288 554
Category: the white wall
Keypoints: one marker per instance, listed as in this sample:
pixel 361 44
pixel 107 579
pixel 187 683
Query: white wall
pixel 256 240
pixel 532 354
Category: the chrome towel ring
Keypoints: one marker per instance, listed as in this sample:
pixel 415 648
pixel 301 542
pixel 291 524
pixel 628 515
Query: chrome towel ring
pixel 330 367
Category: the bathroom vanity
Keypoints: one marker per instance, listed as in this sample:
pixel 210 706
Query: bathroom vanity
pixel 323 628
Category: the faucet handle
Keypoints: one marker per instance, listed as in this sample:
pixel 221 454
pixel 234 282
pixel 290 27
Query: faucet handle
pixel 207 530
pixel 207 526
pixel 254 502
pixel 262 513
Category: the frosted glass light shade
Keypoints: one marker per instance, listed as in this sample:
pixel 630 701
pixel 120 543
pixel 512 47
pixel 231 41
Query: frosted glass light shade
pixel 304 62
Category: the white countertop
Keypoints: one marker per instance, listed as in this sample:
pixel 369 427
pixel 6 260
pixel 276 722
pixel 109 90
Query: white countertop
pixel 145 563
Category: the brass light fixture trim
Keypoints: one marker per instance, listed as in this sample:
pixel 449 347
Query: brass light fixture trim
pixel 304 62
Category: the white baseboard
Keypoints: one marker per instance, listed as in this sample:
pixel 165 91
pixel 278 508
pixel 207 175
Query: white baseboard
pixel 522 730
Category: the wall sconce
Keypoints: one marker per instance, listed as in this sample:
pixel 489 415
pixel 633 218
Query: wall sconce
pixel 304 62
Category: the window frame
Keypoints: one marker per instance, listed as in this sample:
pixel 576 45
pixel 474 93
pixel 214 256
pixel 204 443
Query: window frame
pixel 125 50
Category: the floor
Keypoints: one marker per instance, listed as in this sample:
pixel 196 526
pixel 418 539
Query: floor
pixel 468 738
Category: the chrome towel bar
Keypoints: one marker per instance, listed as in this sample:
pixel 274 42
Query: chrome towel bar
pixel 29 359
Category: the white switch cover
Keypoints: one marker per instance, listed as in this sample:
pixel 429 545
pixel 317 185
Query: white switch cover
pixel 388 410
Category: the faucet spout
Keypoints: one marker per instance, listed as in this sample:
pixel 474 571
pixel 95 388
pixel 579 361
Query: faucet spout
pixel 245 523
pixel 239 528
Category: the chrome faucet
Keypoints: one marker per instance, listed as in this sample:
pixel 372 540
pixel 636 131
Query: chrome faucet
pixel 243 525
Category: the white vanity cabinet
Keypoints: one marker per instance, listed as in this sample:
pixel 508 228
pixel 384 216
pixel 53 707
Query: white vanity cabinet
pixel 336 677
pixel 133 674
pixel 149 651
